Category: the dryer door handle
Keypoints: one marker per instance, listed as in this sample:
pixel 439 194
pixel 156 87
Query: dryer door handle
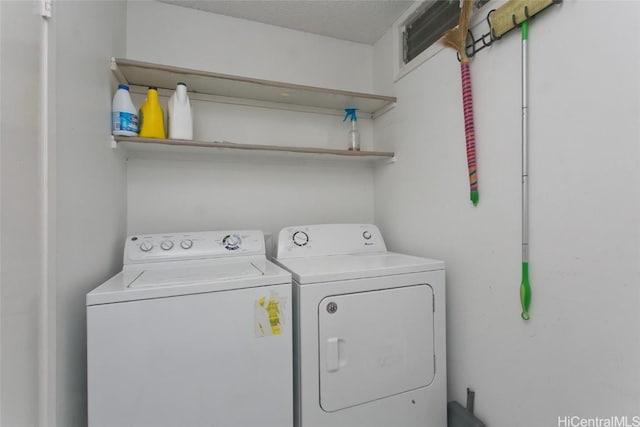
pixel 336 354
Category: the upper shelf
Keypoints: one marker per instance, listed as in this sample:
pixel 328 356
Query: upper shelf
pixel 264 92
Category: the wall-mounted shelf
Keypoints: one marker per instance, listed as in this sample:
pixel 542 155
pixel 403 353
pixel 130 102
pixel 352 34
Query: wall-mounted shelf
pixel 131 143
pixel 249 91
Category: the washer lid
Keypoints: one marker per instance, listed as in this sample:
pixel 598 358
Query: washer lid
pixel 175 280
pixel 355 266
pixel 193 276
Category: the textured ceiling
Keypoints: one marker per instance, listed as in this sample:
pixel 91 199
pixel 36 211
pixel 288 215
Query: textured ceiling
pixel 362 21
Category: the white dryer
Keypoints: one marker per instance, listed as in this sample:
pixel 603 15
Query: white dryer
pixel 369 330
pixel 195 331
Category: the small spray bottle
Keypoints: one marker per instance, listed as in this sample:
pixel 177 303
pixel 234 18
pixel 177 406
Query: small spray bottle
pixel 354 135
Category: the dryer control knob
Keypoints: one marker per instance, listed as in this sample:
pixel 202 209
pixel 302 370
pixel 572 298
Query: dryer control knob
pixel 300 238
pixel 146 246
pixel 166 245
pixel 186 244
pixel 366 235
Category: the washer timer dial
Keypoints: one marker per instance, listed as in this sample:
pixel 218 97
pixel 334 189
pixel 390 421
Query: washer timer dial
pixel 232 242
pixel 300 238
pixel 166 245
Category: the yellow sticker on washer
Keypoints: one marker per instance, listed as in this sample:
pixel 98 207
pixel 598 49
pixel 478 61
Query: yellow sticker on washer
pixel 269 315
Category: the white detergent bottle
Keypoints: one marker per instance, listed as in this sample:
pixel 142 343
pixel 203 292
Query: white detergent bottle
pixel 124 117
pixel 179 112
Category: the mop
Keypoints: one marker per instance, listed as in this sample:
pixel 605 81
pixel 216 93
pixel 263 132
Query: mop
pixel 457 38
pixel 525 286
pixel 504 19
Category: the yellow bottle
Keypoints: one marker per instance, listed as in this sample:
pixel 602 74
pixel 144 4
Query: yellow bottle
pixel 151 116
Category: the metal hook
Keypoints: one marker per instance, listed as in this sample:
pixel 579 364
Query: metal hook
pixel 467 46
pixel 473 44
pixel 484 42
pixel 489 16
pixel 526 12
pixel 513 18
pixel 492 32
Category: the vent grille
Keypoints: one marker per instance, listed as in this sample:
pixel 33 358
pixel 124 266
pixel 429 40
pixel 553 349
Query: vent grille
pixel 427 27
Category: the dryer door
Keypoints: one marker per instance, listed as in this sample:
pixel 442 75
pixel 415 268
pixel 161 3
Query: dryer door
pixel 374 345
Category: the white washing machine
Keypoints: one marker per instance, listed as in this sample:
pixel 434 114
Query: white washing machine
pixel 369 330
pixel 195 331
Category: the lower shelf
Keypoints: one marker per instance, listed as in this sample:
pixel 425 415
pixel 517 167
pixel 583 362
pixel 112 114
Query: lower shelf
pixel 132 143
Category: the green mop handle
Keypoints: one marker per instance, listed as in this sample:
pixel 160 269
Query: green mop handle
pixel 525 291
pixel 525 287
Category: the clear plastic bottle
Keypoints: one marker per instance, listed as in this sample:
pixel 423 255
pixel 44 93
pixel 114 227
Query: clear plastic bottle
pixel 179 114
pixel 354 134
pixel 124 117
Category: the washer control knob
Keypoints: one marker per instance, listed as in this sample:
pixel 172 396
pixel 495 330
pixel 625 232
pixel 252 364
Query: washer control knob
pixel 300 238
pixel 166 245
pixel 231 242
pixel 186 244
pixel 366 235
pixel 146 246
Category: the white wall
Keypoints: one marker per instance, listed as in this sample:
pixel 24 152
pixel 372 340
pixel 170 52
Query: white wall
pixel 230 191
pixel 20 237
pixel 191 38
pixel 91 179
pixel 579 354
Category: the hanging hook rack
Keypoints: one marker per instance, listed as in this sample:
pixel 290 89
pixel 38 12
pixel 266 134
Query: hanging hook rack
pixel 472 48
pixel 487 39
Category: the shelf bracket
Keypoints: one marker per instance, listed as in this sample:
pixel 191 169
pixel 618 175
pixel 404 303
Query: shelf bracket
pixel 117 72
pixel 383 110
pixel 44 8
pixel 392 160
pixel 114 143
